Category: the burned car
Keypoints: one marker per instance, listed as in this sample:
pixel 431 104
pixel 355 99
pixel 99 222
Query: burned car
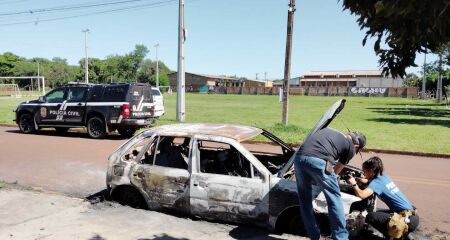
pixel 216 172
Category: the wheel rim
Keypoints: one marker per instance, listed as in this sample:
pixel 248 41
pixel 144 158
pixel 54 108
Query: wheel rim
pixel 95 127
pixel 25 123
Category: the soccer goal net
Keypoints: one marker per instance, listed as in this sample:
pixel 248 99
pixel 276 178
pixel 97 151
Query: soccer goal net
pixel 10 90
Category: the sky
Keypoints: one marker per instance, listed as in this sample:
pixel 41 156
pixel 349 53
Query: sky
pixel 246 38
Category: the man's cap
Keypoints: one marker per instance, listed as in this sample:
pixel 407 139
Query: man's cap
pixel 359 139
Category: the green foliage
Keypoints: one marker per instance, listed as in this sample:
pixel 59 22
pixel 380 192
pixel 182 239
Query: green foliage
pixel 130 67
pixel 412 80
pixel 405 26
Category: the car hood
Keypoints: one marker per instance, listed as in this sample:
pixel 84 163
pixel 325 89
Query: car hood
pixel 323 122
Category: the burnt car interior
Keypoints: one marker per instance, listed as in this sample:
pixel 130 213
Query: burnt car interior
pixel 275 155
pixel 165 151
pixel 222 158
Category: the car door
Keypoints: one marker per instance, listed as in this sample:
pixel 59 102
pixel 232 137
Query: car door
pixel 76 105
pixel 219 190
pixel 50 112
pixel 163 173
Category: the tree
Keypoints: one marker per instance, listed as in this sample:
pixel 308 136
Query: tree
pixel 7 63
pixel 406 27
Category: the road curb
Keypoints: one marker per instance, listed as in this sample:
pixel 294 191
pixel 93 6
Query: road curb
pixel 387 151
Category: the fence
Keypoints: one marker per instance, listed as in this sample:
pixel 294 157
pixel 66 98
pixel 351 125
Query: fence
pixel 410 92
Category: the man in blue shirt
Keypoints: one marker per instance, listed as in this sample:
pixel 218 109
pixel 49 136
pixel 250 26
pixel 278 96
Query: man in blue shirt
pixel 387 191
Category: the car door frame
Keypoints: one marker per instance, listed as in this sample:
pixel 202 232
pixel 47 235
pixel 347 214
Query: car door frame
pixel 165 187
pixel 229 198
pixel 50 113
pixel 75 109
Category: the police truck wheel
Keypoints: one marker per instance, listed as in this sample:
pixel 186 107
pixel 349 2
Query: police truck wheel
pixel 61 129
pixel 26 123
pixel 126 132
pixel 96 127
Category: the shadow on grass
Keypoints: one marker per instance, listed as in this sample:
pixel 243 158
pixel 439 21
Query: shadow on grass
pixel 419 112
pixel 444 123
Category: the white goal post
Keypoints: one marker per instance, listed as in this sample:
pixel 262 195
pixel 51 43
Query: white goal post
pixel 10 90
pixel 40 80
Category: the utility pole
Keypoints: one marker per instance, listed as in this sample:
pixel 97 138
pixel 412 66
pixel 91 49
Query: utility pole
pixel 287 61
pixel 86 69
pixel 265 78
pixel 439 82
pixel 180 75
pixel 256 76
pixel 39 78
pixel 424 80
pixel 157 67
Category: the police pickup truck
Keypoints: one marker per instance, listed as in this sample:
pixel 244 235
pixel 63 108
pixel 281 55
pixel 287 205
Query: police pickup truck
pixel 101 108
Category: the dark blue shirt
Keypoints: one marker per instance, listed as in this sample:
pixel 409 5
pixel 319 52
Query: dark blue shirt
pixel 390 194
pixel 330 145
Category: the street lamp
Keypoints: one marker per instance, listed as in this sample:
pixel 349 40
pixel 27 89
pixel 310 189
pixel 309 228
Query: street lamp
pixel 86 74
pixel 157 67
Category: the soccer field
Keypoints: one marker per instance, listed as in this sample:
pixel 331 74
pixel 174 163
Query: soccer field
pixel 389 123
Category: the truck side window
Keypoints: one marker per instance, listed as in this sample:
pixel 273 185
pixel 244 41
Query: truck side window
pixel 76 94
pixel 114 93
pixel 56 96
pixel 96 93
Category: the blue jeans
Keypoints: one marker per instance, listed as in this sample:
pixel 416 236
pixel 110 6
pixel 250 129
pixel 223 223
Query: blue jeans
pixel 309 171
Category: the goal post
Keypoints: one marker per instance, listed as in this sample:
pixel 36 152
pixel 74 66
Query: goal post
pixel 38 81
pixel 10 90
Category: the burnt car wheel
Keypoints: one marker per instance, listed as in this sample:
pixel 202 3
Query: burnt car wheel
pixel 126 132
pixel 296 226
pixel 26 123
pixel 130 197
pixel 96 127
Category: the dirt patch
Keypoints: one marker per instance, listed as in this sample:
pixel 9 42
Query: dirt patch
pixel 40 215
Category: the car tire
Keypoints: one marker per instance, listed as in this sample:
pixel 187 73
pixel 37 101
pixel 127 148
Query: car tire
pixel 129 196
pixel 126 132
pixel 96 128
pixel 61 130
pixel 296 226
pixel 26 123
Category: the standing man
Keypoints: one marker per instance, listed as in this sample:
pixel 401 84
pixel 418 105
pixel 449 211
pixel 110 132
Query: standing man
pixel 320 158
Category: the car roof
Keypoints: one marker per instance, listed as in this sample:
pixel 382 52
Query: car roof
pixel 236 132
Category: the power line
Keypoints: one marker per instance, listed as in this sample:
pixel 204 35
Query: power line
pixel 68 7
pixel 137 7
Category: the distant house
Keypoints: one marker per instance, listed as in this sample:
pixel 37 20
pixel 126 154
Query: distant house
pixel 369 78
pixel 195 82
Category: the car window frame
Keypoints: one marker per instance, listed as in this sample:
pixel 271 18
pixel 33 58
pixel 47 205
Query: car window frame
pixel 255 163
pixel 64 89
pixel 156 137
pixel 68 89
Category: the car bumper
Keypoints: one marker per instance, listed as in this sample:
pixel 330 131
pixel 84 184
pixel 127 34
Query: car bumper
pixel 136 122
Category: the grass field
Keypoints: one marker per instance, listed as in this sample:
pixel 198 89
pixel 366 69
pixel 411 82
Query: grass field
pixel 389 123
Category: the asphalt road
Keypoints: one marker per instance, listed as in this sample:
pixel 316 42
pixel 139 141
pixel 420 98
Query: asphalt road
pixel 76 165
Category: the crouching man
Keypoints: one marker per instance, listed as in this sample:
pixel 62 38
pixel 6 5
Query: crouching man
pixel 401 218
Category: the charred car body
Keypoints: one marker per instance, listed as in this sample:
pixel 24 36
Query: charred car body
pixel 214 172
pixel 101 108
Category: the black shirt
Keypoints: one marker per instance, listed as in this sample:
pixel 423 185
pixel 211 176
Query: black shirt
pixel 330 145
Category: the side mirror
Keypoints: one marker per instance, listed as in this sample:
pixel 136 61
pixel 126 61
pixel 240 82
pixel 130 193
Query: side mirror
pixel 42 99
